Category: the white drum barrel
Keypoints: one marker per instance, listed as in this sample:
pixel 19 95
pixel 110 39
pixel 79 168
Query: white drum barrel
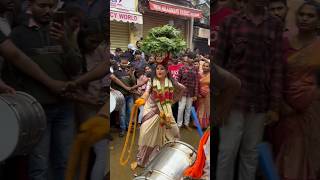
pixel 23 123
pixel 170 163
pixel 116 100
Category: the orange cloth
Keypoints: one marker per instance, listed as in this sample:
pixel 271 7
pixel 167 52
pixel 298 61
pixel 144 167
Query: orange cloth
pixel 196 170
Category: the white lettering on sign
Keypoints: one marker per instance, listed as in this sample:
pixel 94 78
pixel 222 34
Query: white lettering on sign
pixel 128 17
pixel 175 10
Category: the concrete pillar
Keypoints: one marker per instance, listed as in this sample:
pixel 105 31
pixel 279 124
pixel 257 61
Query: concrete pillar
pixel 136 31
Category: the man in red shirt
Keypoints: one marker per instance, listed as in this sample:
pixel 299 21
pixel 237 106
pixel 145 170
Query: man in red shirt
pixel 174 71
pixel 221 10
pixel 174 67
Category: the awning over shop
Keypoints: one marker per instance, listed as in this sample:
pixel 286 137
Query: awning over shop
pixel 125 16
pixel 174 9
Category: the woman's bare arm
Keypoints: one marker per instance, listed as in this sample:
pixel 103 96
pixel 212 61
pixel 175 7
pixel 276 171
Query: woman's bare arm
pixel 140 84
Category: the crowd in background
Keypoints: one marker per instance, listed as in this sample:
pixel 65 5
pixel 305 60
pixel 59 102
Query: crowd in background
pixel 190 68
pixel 278 99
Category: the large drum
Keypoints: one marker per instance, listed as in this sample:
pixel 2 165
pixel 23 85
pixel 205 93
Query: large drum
pixel 173 159
pixel 116 100
pixel 23 123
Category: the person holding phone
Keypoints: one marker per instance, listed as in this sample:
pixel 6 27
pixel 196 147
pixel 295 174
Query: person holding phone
pixel 43 39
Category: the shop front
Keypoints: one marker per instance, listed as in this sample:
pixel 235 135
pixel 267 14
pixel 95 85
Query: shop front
pixel 160 13
pixel 122 15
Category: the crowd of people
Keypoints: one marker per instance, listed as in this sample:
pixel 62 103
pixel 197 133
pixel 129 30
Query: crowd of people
pixel 276 72
pixel 134 68
pixel 47 47
pixel 164 87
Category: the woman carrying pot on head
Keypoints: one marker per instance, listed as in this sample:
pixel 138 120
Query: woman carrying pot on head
pixel 158 124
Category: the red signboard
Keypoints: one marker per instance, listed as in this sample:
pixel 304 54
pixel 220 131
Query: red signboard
pixel 175 10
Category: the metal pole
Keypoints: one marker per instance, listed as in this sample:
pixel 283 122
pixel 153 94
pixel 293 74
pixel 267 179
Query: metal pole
pixel 191 33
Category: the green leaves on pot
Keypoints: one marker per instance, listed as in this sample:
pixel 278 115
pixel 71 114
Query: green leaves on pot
pixel 162 40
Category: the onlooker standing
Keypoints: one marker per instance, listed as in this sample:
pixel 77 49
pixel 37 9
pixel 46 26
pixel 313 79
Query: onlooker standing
pixel 249 46
pixel 196 64
pixel 138 44
pixel 296 139
pixel 47 46
pixel 138 62
pixel 151 62
pixel 131 51
pixel 125 74
pixel 203 102
pixel 187 76
pixel 90 42
pixel 117 54
pixel 184 59
pixel 174 68
pixel 221 10
pixel 74 18
pixel 279 9
pixel 174 71
pixel 148 71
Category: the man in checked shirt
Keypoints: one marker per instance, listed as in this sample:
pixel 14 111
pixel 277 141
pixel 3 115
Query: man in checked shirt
pixel 249 46
pixel 188 76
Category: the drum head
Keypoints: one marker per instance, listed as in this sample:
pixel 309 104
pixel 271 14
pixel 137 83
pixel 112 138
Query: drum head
pixel 113 102
pixel 9 130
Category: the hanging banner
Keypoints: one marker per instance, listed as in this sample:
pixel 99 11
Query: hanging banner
pixel 124 11
pixel 174 9
pixel 128 5
pixel 131 17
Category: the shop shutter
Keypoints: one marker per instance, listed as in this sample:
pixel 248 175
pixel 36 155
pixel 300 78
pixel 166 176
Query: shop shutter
pixel 154 19
pixel 119 35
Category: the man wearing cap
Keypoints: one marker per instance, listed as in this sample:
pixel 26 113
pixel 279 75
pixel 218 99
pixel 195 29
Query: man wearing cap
pixel 131 50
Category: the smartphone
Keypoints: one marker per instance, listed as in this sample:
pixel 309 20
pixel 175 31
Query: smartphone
pixel 58 17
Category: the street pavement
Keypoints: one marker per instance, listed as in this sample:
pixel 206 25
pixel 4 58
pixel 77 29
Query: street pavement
pixel 124 172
